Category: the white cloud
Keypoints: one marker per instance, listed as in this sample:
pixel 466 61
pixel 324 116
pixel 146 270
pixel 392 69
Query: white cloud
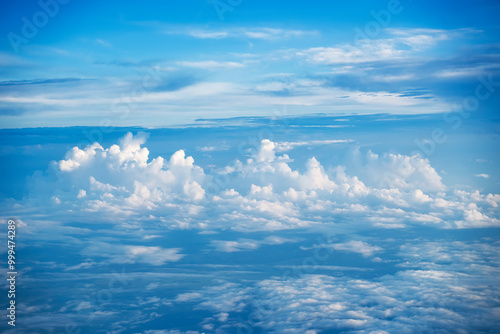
pixel 286 146
pixel 212 96
pixel 273 33
pixel 453 289
pixel 211 148
pixel 402 45
pixel 245 32
pixel 122 175
pixel 247 244
pixel 155 256
pixel 356 246
pixel 264 192
pixel 475 218
pixel 234 246
pixel 229 297
pixel 393 78
pixel 184 297
pixel 211 64
pixel 104 43
pixel 167 331
pixel 208 34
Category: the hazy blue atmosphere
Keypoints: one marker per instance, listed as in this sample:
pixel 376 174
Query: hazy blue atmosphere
pixel 236 166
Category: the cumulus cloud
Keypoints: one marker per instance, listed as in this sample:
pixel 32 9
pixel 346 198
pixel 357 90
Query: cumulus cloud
pixel 120 179
pixel 263 192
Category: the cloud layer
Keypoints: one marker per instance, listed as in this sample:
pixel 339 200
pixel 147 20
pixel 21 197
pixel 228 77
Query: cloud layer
pixel 262 192
pixel 443 287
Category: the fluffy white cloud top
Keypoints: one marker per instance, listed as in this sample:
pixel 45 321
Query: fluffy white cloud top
pixel 263 192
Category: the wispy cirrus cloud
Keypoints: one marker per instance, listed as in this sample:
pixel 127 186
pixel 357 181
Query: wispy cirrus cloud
pixel 211 64
pixel 399 45
pixel 257 33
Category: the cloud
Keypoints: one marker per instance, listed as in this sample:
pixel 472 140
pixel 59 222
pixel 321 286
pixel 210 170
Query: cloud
pixel 273 33
pixel 104 43
pixel 208 34
pixel 484 176
pixel 8 60
pixel 234 246
pixel 263 192
pixel 247 244
pixel 176 88
pixel 402 45
pixel 121 253
pixel 286 146
pixel 211 64
pixel 122 181
pixel 184 297
pixel 258 33
pixel 213 148
pixel 444 285
pixel 229 297
pixel 398 171
pixel 356 246
pixel 166 331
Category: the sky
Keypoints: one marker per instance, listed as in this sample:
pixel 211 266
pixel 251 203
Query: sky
pixel 236 166
pixel 122 64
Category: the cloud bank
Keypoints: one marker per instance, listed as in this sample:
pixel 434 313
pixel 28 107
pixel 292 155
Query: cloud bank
pixel 263 192
pixel 445 286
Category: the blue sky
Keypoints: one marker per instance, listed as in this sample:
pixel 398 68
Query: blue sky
pixel 227 166
pixel 160 64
